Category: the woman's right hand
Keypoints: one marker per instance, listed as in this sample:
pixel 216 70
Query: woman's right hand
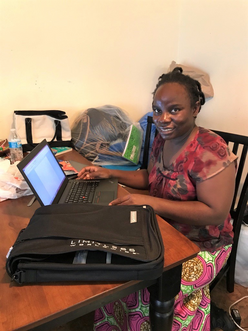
pixel 93 172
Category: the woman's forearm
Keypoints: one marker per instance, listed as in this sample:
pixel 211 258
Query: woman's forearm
pixel 135 179
pixel 188 212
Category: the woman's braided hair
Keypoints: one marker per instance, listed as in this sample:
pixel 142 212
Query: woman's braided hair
pixel 192 86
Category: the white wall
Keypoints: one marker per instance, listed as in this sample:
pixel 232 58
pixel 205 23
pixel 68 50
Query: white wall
pixel 214 37
pixel 75 54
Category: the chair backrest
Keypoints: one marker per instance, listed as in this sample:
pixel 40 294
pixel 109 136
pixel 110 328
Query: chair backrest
pixel 240 148
pixel 238 141
pixel 238 144
pixel 147 142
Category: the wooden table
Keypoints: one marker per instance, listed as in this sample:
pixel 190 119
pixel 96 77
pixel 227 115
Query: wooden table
pixel 43 307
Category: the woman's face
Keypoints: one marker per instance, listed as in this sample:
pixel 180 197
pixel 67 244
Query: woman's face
pixel 173 113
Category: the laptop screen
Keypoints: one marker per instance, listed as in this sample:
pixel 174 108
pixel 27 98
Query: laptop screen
pixel 44 174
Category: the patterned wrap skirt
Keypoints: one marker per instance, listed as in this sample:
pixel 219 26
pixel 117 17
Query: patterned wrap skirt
pixel 192 304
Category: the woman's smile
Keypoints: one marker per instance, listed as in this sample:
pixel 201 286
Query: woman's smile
pixel 164 130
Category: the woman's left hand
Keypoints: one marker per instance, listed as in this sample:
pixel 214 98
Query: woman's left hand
pixel 131 199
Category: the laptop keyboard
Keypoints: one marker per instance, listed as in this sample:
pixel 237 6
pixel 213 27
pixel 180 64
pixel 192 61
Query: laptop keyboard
pixel 82 192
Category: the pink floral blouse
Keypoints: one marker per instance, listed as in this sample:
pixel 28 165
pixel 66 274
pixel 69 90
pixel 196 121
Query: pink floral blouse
pixel 206 155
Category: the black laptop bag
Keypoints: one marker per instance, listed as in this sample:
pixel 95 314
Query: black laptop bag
pixel 86 242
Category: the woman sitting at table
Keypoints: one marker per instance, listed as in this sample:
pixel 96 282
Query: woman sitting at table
pixel 191 176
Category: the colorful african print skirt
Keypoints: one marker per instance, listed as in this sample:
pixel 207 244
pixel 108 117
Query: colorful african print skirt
pixel 192 304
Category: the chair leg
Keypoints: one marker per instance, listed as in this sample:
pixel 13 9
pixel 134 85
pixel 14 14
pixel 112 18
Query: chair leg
pixel 231 270
pixel 230 279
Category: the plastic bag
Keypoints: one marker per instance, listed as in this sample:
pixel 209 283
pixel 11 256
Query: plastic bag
pixel 241 268
pixel 197 74
pixel 107 136
pixel 12 184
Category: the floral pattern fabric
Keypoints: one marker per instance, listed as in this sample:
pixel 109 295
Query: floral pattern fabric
pixel 204 157
pixel 192 304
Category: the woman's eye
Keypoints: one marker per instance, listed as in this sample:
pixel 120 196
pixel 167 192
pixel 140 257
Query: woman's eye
pixel 175 110
pixel 156 111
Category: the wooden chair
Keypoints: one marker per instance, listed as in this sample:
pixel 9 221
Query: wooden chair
pixel 239 146
pixel 145 160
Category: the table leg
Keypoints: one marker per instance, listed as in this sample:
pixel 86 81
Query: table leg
pixel 162 297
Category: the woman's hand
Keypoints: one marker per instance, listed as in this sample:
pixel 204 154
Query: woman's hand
pixel 132 199
pixel 93 172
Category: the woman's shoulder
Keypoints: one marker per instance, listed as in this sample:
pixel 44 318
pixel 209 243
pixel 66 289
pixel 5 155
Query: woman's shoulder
pixel 211 155
pixel 206 137
pixel 209 141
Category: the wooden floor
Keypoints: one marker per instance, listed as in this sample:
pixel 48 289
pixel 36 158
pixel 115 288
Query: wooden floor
pixel 224 299
pixel 220 296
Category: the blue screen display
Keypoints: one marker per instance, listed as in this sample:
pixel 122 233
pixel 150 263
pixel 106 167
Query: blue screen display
pixel 45 175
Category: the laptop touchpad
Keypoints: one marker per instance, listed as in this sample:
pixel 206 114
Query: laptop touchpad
pixel 104 197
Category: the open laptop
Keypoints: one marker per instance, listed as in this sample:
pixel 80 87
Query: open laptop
pixel 50 185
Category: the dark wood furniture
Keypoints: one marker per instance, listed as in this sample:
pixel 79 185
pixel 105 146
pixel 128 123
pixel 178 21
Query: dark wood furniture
pixel 45 306
pixel 238 144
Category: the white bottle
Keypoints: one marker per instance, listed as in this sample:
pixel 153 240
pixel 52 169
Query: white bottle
pixel 15 147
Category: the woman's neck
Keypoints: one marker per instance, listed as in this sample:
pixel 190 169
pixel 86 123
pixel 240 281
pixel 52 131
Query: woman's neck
pixel 180 141
pixel 172 148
